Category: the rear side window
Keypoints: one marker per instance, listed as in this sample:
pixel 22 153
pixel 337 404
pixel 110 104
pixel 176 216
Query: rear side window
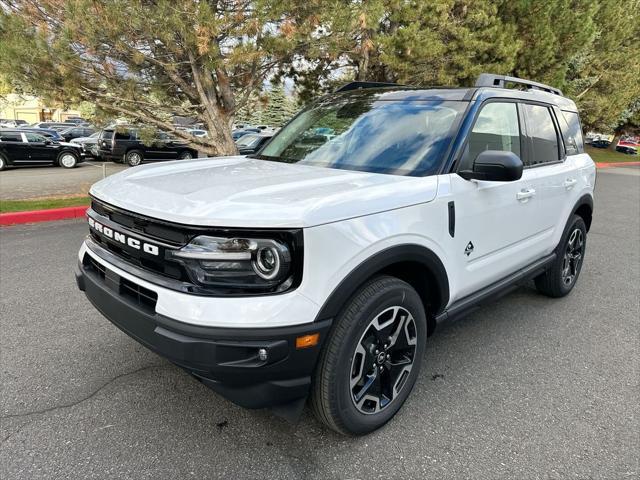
pixel 10 137
pixel 544 138
pixel 572 132
pixel 496 128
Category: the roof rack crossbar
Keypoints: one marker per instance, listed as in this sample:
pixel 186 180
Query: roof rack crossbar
pixel 500 81
pixel 360 85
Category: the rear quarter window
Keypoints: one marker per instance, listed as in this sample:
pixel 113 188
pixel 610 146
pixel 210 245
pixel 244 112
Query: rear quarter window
pixel 10 137
pixel 572 132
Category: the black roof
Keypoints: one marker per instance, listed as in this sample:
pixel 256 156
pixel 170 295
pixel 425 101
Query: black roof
pixel 487 86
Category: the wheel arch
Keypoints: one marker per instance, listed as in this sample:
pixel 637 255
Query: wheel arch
pixel 584 209
pixel 414 264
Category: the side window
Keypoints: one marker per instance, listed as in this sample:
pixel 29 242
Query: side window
pixel 34 138
pixel 573 132
pixel 123 135
pixel 10 137
pixel 496 128
pixel 542 131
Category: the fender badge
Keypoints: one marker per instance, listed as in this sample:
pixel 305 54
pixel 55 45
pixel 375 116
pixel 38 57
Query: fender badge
pixel 468 249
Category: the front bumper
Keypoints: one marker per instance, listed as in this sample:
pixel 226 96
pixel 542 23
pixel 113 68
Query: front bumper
pixel 224 359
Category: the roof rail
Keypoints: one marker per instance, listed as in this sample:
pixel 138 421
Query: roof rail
pixel 360 85
pixel 500 81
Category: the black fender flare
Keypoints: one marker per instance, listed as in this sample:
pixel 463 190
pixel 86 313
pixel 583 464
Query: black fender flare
pixel 584 200
pixel 378 262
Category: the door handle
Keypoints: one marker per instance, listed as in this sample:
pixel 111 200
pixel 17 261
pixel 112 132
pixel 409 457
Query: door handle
pixel 525 194
pixel 569 183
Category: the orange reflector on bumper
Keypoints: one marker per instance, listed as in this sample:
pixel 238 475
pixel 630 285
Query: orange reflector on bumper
pixel 307 341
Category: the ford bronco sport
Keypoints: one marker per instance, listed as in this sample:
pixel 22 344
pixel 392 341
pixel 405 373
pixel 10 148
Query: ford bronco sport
pixel 319 266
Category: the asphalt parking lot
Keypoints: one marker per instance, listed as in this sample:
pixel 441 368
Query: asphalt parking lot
pixel 38 182
pixel 527 387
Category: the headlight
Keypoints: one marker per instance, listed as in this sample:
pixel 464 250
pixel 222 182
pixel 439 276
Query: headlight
pixel 253 264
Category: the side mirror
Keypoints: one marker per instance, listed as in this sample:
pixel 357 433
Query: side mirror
pixel 47 141
pixel 495 166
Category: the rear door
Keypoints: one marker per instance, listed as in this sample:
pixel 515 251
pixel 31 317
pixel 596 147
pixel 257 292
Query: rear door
pixel 14 147
pixel 557 174
pixel 496 224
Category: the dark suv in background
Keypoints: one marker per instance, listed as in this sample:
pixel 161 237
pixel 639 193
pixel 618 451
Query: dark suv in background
pixel 124 145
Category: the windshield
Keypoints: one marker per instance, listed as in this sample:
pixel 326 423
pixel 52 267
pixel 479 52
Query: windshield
pixel 247 140
pixel 365 134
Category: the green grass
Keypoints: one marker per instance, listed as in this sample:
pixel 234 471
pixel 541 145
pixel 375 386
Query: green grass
pixel 605 155
pixel 41 204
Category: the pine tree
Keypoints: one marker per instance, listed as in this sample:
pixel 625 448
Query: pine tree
pixel 149 61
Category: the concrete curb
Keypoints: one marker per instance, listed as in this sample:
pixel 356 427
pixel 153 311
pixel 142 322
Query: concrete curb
pixel 15 218
pixel 617 164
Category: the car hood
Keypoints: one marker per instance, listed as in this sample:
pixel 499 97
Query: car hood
pixel 84 140
pixel 68 144
pixel 242 192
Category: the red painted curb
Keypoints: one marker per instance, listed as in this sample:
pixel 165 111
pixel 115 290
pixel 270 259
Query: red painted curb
pixel 14 218
pixel 617 164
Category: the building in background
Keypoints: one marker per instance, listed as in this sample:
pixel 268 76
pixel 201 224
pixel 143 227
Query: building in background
pixel 32 110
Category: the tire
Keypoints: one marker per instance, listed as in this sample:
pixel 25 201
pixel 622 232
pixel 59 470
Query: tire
pixel 3 163
pixel 560 279
pixel 67 160
pixel 349 362
pixel 186 155
pixel 134 158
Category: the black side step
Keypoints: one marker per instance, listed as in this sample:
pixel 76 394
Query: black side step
pixel 496 290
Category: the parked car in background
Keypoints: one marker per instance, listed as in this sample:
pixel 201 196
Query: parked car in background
pixel 600 143
pixel 19 148
pixel 77 132
pixel 627 149
pixel 89 144
pixel 76 120
pixel 54 125
pixel 252 142
pixel 45 132
pixel 7 123
pixel 197 132
pixel 236 134
pixel 124 145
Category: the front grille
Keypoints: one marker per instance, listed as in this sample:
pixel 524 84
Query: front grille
pixel 154 229
pixel 137 294
pixel 164 267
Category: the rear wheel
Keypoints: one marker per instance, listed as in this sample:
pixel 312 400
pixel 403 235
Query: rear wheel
pixel 372 359
pixel 67 160
pixel 186 155
pixel 134 158
pixel 3 163
pixel 560 279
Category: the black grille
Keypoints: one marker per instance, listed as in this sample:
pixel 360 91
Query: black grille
pixel 165 267
pixel 143 297
pixel 147 226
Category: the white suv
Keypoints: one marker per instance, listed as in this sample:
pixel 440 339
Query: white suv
pixel 320 266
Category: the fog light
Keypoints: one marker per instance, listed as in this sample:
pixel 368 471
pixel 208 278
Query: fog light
pixel 263 355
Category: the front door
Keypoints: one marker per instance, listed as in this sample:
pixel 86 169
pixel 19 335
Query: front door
pixel 40 149
pixel 497 224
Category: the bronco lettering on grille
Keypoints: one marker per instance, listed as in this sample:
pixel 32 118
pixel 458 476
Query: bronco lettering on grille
pixel 124 239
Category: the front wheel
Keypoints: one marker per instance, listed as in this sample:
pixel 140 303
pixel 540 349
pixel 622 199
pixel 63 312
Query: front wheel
pixel 67 160
pixel 372 358
pixel 186 155
pixel 3 163
pixel 560 279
